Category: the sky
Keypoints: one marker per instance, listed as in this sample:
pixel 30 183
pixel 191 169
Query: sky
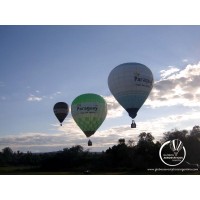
pixel 42 65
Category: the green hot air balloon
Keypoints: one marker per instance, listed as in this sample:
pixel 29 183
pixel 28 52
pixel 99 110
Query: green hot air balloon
pixel 89 111
pixel 61 110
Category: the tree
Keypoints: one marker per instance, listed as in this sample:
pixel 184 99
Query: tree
pixel 195 131
pixel 76 149
pixel 175 134
pixel 7 151
pixel 147 137
pixel 121 141
pixel 131 143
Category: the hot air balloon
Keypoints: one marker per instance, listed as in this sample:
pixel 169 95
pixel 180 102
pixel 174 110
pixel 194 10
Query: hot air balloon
pixel 89 111
pixel 130 84
pixel 61 110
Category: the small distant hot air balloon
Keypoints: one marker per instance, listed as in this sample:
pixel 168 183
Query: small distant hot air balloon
pixel 176 145
pixel 89 111
pixel 130 84
pixel 61 110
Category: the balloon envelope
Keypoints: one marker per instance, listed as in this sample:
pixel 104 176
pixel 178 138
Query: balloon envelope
pixel 61 110
pixel 89 111
pixel 130 84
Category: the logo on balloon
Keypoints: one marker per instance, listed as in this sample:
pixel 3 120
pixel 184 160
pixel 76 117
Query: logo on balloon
pixel 172 153
pixel 143 82
pixel 86 108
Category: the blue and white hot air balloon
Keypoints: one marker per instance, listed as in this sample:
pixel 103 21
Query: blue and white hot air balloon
pixel 131 84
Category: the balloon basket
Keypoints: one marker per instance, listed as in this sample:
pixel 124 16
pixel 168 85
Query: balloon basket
pixel 89 143
pixel 133 125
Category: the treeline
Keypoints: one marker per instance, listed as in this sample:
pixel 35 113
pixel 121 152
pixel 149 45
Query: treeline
pixel 125 156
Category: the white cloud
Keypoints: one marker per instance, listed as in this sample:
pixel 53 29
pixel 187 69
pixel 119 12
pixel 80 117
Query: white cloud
pixel 180 88
pixel 54 95
pixel 156 126
pixel 67 135
pixel 71 128
pixel 114 108
pixel 34 98
pixel 29 141
pixel 165 73
pixel 185 60
pixel 188 72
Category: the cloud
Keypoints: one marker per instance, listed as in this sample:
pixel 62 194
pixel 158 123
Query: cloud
pixel 177 87
pixel 67 135
pixel 29 141
pixel 156 126
pixel 114 108
pixel 34 98
pixel 41 142
pixel 185 60
pixel 54 95
pixel 165 73
pixel 71 128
